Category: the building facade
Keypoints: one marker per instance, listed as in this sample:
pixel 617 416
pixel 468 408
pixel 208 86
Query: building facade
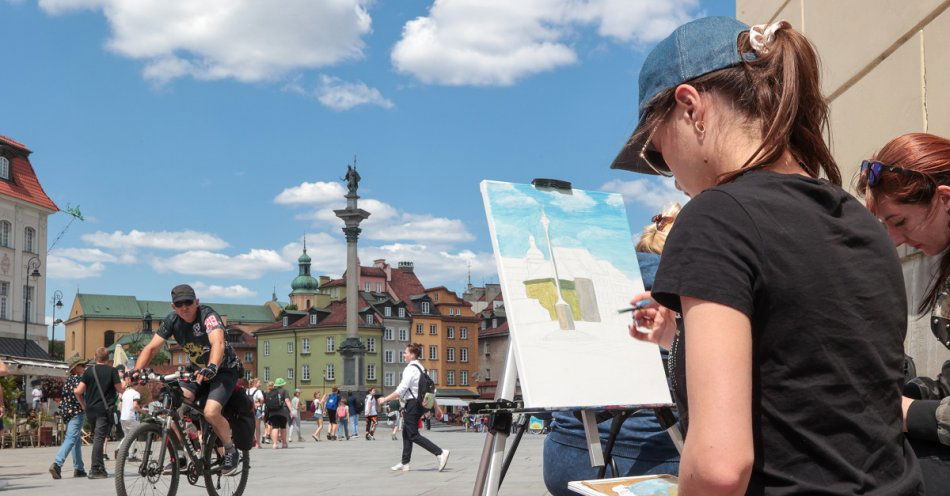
pixel 24 210
pixel 457 351
pixel 894 82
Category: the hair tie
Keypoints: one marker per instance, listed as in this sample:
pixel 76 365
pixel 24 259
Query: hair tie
pixel 762 35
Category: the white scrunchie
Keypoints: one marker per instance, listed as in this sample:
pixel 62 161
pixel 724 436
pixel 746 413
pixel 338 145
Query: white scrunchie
pixel 761 35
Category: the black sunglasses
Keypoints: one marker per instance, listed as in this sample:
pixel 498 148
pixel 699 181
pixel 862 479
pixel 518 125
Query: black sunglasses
pixel 874 171
pixel 184 303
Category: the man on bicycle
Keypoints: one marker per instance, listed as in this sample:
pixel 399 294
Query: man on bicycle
pixel 200 332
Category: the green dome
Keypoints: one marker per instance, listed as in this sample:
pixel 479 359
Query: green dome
pixel 304 283
pixel 304 258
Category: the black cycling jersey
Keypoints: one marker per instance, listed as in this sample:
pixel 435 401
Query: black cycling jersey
pixel 193 338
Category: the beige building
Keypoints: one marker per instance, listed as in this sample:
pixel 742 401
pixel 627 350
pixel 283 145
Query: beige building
pixel 886 72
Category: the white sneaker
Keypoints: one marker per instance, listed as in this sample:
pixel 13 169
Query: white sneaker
pixel 443 459
pixel 400 466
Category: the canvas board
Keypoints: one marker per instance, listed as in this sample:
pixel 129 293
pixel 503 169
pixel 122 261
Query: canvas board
pixel 571 347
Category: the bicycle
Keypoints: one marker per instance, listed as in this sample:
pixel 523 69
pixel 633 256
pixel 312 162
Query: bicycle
pixel 199 455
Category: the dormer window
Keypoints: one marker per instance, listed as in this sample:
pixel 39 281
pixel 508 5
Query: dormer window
pixel 285 321
pixel 402 312
pixel 4 168
pixel 369 319
pixel 388 311
pixel 425 307
pixel 313 319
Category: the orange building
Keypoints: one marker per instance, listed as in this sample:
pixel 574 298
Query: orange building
pixel 456 353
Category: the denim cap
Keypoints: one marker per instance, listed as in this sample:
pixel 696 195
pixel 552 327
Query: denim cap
pixel 692 50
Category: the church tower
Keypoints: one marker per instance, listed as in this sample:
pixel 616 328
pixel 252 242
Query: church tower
pixel 305 288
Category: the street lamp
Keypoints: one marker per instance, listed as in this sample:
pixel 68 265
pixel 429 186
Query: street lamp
pixel 56 302
pixel 34 265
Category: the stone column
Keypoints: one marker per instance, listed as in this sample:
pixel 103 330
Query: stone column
pixel 351 348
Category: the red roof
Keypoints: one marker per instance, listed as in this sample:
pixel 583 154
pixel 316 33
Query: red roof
pixel 336 318
pixel 333 283
pixel 494 331
pixel 372 271
pixel 24 185
pixel 405 284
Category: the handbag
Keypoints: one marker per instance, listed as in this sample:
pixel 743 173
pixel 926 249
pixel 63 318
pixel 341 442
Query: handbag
pixel 115 415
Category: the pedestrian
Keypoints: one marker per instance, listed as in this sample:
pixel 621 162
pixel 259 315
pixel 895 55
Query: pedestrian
pixel 73 416
pixel 330 405
pixel 279 413
pixel 297 408
pixel 395 416
pixel 37 395
pixel 355 407
pixel 264 416
pixel 371 414
pixel 408 390
pixel 317 409
pixel 97 393
pixel 343 417
pixel 257 397
pixel 129 414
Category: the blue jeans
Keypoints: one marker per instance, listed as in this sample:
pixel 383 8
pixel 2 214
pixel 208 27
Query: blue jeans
pixel 563 463
pixel 354 425
pixel 72 442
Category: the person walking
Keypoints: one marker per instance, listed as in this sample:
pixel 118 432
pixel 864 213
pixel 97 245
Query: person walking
pixel 355 407
pixel 395 416
pixel 408 390
pixel 74 417
pixel 317 409
pixel 371 414
pixel 129 414
pixel 343 417
pixel 97 393
pixel 296 409
pixel 279 412
pixel 264 416
pixel 257 397
pixel 330 404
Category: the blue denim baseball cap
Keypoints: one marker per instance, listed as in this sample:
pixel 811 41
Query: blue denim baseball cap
pixel 692 50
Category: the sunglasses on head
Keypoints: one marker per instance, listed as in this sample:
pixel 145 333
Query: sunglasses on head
pixel 184 303
pixel 940 319
pixel 874 171
pixel 661 221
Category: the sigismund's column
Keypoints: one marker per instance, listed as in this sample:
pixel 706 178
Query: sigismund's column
pixel 351 348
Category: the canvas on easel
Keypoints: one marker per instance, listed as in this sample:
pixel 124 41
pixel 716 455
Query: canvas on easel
pixel 566 264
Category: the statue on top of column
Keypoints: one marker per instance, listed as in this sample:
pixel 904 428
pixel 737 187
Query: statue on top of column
pixel 352 179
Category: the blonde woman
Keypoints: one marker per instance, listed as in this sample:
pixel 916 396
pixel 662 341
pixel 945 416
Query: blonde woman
pixel 257 396
pixel 654 234
pixel 317 415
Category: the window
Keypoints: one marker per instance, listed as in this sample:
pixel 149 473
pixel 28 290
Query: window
pixel 485 324
pixel 313 319
pixel 388 311
pixel 402 358
pixel 371 345
pixel 181 358
pixel 5 234
pixel 379 287
pixel 433 352
pixel 402 313
pixel 389 379
pixel 425 307
pixel 29 236
pixel 371 372
pixel 248 357
pixel 266 374
pixel 389 356
pixel 331 346
pixel 28 301
pixel 284 321
pixel 450 332
pixel 290 373
pixel 366 287
pixel 450 378
pixel 418 328
pixel 463 354
pixel 450 354
pixel 487 374
pixel 266 347
pixel 463 333
pixel 369 319
pixel 247 375
pixel 463 377
pixel 305 373
pixel 306 345
pixel 330 372
pixel 108 338
pixel 4 168
pixel 434 374
pixel 290 347
pixel 404 334
pixel 494 322
pixel 388 334
pixel 433 330
pixel 4 296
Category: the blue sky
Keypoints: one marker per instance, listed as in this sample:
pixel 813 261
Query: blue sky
pixel 203 140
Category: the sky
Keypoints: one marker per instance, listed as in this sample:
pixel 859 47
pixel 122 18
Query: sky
pixel 204 140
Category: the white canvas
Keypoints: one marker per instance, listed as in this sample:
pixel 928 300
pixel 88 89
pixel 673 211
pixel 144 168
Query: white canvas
pixel 572 348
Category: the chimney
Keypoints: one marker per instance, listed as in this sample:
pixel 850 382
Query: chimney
pixel 379 263
pixel 406 267
pixel 324 280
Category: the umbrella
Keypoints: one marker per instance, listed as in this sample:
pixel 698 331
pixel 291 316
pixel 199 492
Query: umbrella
pixel 119 357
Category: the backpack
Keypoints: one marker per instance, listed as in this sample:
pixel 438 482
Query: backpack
pixel 274 400
pixel 239 411
pixel 359 405
pixel 331 401
pixel 426 396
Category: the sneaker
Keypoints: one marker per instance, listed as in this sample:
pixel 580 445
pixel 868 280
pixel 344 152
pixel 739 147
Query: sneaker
pixel 56 471
pixel 394 437
pixel 443 459
pixel 80 473
pixel 98 474
pixel 400 467
pixel 231 459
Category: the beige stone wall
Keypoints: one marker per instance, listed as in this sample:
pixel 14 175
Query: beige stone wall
pixel 886 71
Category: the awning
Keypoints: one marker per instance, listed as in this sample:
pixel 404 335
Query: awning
pixel 34 366
pixel 451 402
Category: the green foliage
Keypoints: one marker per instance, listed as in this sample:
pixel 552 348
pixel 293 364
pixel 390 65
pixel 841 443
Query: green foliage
pixel 161 357
pixel 292 306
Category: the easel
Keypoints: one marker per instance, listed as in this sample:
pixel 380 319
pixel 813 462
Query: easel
pixel 493 464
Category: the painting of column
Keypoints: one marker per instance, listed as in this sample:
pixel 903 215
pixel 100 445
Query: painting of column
pixel 566 264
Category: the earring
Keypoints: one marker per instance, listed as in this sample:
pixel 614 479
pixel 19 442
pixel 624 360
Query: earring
pixel 700 128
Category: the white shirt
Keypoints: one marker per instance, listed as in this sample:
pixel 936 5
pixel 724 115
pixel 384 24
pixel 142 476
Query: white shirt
pixel 37 394
pixel 408 388
pixel 370 403
pixel 128 401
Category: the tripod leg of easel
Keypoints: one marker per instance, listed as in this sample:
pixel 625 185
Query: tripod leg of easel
pixel 520 428
pixel 490 473
pixel 481 477
pixel 589 419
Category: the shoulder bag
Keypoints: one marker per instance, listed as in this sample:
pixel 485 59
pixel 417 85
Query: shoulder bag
pixel 105 404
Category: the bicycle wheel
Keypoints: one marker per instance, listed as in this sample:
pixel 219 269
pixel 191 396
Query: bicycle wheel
pixel 134 478
pixel 216 483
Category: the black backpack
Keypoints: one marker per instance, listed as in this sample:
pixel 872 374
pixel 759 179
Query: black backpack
pixel 426 396
pixel 274 400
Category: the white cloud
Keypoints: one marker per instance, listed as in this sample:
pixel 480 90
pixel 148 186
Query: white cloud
pixel 576 201
pixel 422 228
pixel 162 240
pixel 318 192
pixel 341 95
pixel 434 266
pixel 250 265
pixel 207 292
pixel 328 254
pixel 498 42
pixel 58 267
pixel 614 201
pixel 653 193
pixel 85 254
pixel 247 40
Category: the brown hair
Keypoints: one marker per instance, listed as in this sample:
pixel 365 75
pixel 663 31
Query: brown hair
pixel 925 153
pixel 652 239
pixel 415 349
pixel 780 90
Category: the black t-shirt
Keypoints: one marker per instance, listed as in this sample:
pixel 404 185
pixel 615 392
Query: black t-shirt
pixel 822 285
pixel 193 338
pixel 108 378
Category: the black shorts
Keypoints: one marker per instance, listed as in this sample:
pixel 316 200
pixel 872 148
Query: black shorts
pixel 331 415
pixel 277 421
pixel 219 389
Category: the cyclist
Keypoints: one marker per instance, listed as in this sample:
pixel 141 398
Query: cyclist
pixel 200 332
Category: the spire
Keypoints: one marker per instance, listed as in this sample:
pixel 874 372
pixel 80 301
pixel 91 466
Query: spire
pixel 469 273
pixel 273 296
pixel 305 243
